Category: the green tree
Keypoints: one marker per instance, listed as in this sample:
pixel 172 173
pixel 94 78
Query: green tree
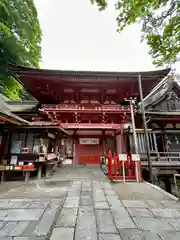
pixel 160 21
pixel 20 39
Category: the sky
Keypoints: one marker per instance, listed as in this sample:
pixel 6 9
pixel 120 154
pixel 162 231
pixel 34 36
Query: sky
pixel 76 36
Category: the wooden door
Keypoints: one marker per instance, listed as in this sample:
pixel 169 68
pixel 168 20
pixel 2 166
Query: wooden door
pixel 88 154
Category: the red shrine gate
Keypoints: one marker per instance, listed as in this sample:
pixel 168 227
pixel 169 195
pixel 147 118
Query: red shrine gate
pixel 88 101
pixel 90 139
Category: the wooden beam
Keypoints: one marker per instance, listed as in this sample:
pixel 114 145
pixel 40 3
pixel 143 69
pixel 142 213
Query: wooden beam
pixel 10 120
pixel 102 136
pixel 90 126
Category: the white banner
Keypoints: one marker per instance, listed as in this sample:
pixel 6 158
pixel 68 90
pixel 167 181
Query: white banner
pixel 89 141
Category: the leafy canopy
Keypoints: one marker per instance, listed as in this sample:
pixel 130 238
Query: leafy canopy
pixel 20 38
pixel 160 21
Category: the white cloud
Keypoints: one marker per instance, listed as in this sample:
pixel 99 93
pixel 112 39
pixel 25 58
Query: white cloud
pixel 78 37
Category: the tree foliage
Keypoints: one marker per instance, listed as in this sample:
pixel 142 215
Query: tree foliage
pixel 20 38
pixel 160 21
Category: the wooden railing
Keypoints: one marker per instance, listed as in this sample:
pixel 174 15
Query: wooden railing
pixel 85 107
pixel 162 156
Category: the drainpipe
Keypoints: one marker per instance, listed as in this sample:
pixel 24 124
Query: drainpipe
pixel 133 126
pixel 145 128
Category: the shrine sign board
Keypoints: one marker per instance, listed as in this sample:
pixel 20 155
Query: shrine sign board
pixel 135 157
pixel 89 141
pixel 123 157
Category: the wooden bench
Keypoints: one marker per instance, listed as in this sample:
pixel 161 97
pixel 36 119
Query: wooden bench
pixel 27 173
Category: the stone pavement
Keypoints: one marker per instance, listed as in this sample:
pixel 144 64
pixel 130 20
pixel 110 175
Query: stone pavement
pixel 89 208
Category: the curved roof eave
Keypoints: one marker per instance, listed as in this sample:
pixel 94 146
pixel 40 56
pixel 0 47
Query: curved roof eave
pixel 55 80
pixel 31 71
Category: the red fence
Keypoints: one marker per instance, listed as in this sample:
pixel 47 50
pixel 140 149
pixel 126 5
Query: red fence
pixel 123 169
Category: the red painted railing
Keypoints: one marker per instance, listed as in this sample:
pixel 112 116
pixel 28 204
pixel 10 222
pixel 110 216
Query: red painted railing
pixel 85 107
pixel 123 170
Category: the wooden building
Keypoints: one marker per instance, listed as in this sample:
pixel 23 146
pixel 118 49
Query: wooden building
pixel 26 146
pixel 163 116
pixel 7 117
pixel 85 106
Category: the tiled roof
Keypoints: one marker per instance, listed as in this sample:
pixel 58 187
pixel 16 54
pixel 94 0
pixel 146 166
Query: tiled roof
pixel 6 112
pixel 48 124
pixel 30 71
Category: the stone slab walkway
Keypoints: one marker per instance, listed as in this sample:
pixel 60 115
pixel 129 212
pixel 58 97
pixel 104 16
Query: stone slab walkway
pixel 90 208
